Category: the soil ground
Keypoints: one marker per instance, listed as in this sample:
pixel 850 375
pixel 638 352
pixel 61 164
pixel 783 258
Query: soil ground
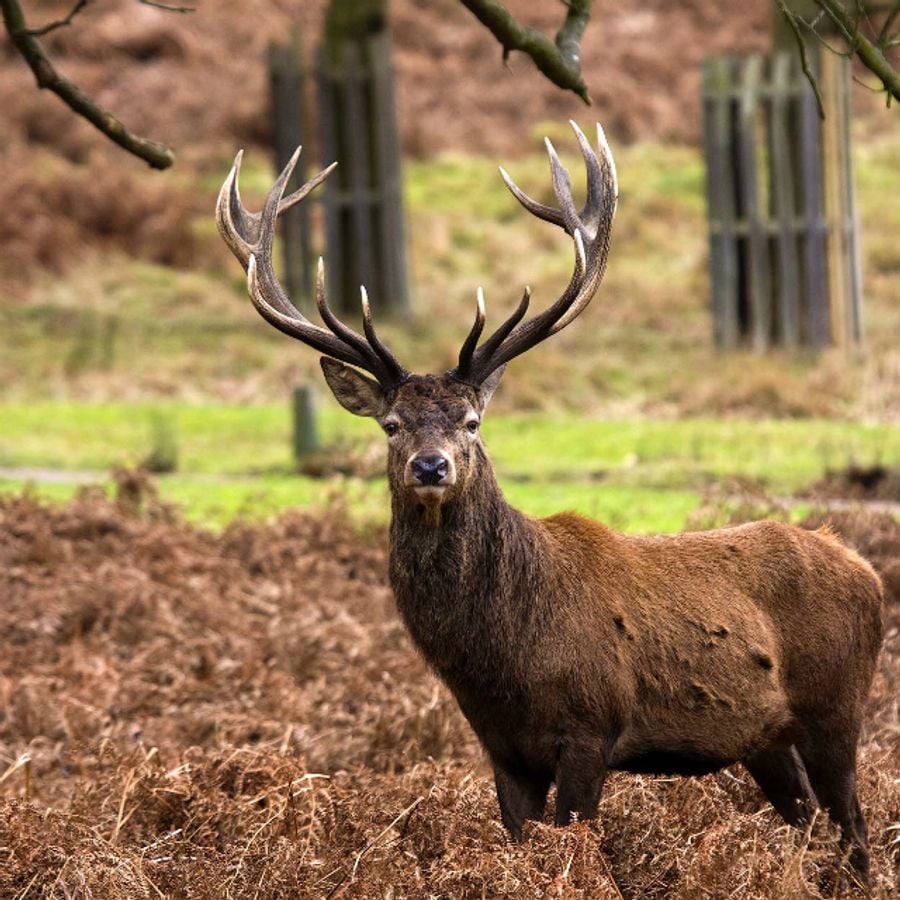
pixel 194 715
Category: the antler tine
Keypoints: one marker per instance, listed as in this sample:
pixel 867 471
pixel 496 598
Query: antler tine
pixel 303 192
pixel 398 373
pixel 562 187
pixel 547 213
pixel 234 222
pixel 501 333
pixel 590 230
pixel 250 236
pixel 471 341
pixel 344 332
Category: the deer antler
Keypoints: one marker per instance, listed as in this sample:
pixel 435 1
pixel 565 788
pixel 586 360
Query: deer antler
pixel 590 228
pixel 251 236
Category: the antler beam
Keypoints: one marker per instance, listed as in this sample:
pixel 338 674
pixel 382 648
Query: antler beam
pixel 251 236
pixel 590 230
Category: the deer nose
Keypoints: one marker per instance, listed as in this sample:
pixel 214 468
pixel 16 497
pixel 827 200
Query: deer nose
pixel 430 470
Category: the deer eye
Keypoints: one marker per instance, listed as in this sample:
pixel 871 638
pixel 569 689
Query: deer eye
pixel 391 428
pixel 472 425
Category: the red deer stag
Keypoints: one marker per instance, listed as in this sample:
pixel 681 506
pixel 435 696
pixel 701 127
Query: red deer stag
pixel 572 649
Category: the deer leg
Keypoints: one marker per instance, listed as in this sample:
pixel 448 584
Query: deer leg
pixel 782 777
pixel 580 774
pixel 521 797
pixel 831 765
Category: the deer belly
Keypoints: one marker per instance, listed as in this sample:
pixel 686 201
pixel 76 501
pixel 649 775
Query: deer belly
pixel 702 718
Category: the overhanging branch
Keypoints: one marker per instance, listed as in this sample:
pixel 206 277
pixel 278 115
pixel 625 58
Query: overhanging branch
pixel 870 54
pixel 804 60
pixel 559 60
pixel 60 23
pixel 157 155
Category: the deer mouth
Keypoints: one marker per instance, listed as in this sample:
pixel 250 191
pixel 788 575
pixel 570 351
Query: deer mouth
pixel 430 493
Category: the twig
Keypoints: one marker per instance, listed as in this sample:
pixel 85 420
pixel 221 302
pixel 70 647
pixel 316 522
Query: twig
pixel 15 766
pixel 606 868
pixel 885 32
pixel 372 844
pixel 60 23
pixel 167 7
pixel 157 155
pixel 121 818
pixel 559 60
pixel 804 61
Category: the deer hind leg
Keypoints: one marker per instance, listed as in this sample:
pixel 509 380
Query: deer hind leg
pixel 830 760
pixel 521 797
pixel 782 777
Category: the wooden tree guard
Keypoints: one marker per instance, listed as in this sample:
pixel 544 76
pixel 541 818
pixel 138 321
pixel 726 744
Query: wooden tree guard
pixel 364 233
pixel 784 260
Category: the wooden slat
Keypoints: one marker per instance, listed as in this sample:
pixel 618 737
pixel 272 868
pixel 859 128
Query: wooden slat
pixel 782 200
pixel 720 193
pixel 834 200
pixel 818 327
pixel 758 272
pixel 388 157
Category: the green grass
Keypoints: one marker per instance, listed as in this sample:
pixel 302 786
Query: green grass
pixel 641 475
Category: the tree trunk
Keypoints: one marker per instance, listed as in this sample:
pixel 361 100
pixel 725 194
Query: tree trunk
pixel 352 20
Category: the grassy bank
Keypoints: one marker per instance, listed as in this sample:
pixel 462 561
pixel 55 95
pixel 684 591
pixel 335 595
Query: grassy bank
pixel 642 475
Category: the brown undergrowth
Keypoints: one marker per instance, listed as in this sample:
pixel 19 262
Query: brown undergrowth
pixel 241 715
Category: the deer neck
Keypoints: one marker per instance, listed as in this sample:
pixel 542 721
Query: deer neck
pixel 466 583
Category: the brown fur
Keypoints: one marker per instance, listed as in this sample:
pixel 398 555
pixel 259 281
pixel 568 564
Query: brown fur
pixel 572 649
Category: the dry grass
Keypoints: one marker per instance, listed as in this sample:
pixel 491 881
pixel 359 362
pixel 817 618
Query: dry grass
pixel 193 715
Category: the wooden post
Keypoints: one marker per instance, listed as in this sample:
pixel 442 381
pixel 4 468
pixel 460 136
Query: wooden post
pixel 756 256
pixel 783 197
pixel 305 426
pixel 843 262
pixel 720 194
pixel 809 156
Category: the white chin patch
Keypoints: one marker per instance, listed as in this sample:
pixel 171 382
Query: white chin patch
pixel 430 492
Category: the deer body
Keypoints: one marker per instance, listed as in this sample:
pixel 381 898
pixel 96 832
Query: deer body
pixel 572 649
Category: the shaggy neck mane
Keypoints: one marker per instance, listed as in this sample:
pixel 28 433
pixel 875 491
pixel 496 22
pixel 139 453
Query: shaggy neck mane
pixel 466 586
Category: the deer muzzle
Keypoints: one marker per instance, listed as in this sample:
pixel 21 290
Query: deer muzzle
pixel 429 473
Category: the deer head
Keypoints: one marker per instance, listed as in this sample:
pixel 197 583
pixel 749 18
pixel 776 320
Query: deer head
pixel 431 421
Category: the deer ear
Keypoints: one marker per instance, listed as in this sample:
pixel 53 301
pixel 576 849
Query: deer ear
pixel 355 392
pixel 489 385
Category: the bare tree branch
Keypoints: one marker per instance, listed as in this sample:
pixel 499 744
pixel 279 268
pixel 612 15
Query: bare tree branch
pixel 24 40
pixel 804 61
pixel 559 60
pixel 167 7
pixel 870 54
pixel 60 23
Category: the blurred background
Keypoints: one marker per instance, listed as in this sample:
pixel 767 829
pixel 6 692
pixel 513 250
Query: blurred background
pixel 128 337
pixel 194 669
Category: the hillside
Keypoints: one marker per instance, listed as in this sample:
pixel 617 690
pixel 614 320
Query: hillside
pixel 198 83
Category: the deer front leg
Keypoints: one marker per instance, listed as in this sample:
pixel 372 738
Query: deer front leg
pixel 580 773
pixel 521 797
